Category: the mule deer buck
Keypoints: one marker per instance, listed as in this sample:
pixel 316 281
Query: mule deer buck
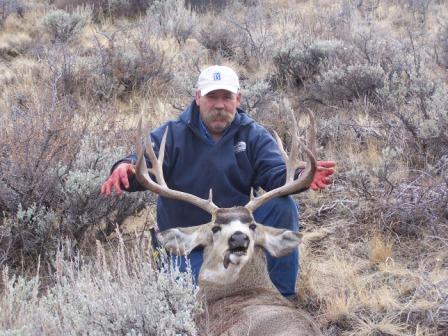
pixel 234 283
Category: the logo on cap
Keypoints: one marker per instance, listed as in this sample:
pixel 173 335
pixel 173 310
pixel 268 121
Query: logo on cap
pixel 217 77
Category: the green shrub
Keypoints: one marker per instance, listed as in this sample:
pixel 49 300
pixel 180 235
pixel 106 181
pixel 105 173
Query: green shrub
pixel 257 98
pixel 8 7
pixel 206 5
pixel 435 125
pixel 442 46
pixel 82 208
pixel 295 64
pixel 255 35
pixel 408 202
pixel 110 8
pixel 115 293
pixel 184 84
pixel 219 37
pixel 419 104
pixel 418 206
pixel 62 26
pixel 54 158
pixel 73 207
pixel 28 235
pixel 350 83
pixel 128 62
pixel 428 126
pixel 241 34
pixel 171 18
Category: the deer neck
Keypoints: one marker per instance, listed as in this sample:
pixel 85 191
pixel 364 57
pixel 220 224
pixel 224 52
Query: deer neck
pixel 252 276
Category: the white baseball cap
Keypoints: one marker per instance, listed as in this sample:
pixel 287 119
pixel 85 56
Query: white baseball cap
pixel 218 77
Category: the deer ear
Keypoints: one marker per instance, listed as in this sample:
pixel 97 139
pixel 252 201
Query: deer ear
pixel 278 242
pixel 181 241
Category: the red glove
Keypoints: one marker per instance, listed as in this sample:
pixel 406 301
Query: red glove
pixel 118 179
pixel 322 176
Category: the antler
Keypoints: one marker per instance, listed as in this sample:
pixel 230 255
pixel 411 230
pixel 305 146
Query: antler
pixel 159 186
pixel 292 164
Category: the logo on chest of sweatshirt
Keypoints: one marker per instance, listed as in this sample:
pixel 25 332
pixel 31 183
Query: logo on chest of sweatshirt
pixel 240 147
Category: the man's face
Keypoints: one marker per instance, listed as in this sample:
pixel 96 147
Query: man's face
pixel 217 109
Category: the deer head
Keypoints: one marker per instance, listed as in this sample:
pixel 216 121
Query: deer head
pixel 232 235
pixel 229 241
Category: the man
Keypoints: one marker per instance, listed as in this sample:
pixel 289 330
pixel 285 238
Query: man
pixel 215 145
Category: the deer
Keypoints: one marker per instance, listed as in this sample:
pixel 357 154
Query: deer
pixel 234 284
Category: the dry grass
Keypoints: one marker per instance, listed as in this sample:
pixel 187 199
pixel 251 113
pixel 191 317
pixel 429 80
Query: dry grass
pixel 380 250
pixel 361 289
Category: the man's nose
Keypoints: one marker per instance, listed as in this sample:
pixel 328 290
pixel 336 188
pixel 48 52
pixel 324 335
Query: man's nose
pixel 219 103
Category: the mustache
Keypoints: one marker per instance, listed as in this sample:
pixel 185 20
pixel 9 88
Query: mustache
pixel 218 113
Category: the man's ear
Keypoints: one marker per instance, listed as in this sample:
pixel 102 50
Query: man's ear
pixel 181 241
pixel 278 242
pixel 238 98
pixel 197 96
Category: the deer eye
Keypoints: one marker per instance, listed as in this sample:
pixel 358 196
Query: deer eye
pixel 252 227
pixel 216 229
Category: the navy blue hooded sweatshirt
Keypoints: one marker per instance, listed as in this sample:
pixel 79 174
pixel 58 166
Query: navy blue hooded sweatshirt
pixel 246 156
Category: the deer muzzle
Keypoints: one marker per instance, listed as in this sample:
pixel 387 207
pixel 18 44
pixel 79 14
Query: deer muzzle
pixel 238 242
pixel 238 245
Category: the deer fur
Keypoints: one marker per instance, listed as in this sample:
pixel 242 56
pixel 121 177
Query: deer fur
pixel 240 299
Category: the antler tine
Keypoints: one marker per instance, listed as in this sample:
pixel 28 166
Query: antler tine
pixel 280 147
pixel 311 137
pixel 293 160
pixel 141 168
pixel 292 163
pixel 156 169
pixel 312 132
pixel 159 187
pixel 210 196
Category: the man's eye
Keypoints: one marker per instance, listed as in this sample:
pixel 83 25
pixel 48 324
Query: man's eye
pixel 216 229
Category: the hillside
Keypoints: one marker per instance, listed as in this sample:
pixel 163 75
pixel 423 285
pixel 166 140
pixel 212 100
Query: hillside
pixel 74 80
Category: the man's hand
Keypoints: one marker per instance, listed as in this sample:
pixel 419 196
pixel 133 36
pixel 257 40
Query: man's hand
pixel 322 176
pixel 118 179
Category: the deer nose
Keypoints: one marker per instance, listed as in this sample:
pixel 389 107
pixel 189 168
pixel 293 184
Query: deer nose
pixel 238 239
